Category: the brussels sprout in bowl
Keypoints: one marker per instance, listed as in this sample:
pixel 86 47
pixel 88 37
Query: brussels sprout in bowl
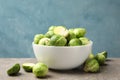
pixel 62 57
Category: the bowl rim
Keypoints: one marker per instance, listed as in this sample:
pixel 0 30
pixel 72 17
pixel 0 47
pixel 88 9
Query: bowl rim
pixel 91 43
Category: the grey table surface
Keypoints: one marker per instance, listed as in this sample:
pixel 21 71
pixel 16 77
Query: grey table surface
pixel 109 71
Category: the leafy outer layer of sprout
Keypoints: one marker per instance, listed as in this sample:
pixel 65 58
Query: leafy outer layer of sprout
pixel 14 69
pixel 71 35
pixel 28 66
pixel 44 41
pixel 71 30
pixel 53 39
pixel 84 40
pixel 40 70
pixel 79 32
pixel 37 38
pixel 75 42
pixel 91 56
pixel 57 40
pixel 49 34
pixel 51 28
pixel 91 65
pixel 104 53
pixel 61 30
pixel 100 58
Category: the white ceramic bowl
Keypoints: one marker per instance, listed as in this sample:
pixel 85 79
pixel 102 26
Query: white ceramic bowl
pixel 62 57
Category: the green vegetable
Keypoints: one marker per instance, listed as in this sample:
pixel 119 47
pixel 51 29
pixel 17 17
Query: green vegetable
pixel 66 37
pixel 104 53
pixel 79 32
pixel 71 35
pixel 91 65
pixel 37 38
pixel 28 67
pixel 14 69
pixel 57 40
pixel 49 34
pixel 40 70
pixel 100 58
pixel 71 30
pixel 91 56
pixel 51 28
pixel 61 30
pixel 84 40
pixel 44 41
pixel 75 42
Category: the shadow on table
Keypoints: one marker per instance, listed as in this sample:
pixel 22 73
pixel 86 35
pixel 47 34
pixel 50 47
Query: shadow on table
pixel 79 70
pixel 76 71
pixel 16 75
pixel 46 77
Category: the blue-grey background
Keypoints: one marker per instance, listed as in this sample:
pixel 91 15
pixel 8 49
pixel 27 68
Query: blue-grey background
pixel 20 20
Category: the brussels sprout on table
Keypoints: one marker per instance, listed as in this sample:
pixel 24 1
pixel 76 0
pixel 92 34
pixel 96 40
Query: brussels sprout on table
pixel 91 65
pixel 28 66
pixel 14 69
pixel 104 53
pixel 100 58
pixel 91 56
pixel 40 70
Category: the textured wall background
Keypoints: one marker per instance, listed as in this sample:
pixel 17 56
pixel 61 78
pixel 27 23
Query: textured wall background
pixel 20 20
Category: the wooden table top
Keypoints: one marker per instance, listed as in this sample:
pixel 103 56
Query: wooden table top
pixel 109 71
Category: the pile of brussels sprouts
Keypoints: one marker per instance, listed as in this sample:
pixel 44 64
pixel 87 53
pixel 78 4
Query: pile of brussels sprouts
pixel 61 36
pixel 39 69
pixel 93 63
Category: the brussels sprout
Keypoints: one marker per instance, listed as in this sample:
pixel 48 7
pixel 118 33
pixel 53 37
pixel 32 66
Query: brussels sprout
pixel 84 40
pixel 40 70
pixel 91 65
pixel 44 41
pixel 91 56
pixel 75 42
pixel 37 38
pixel 28 66
pixel 79 32
pixel 51 28
pixel 14 69
pixel 71 35
pixel 57 40
pixel 100 58
pixel 71 30
pixel 49 34
pixel 104 53
pixel 61 30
